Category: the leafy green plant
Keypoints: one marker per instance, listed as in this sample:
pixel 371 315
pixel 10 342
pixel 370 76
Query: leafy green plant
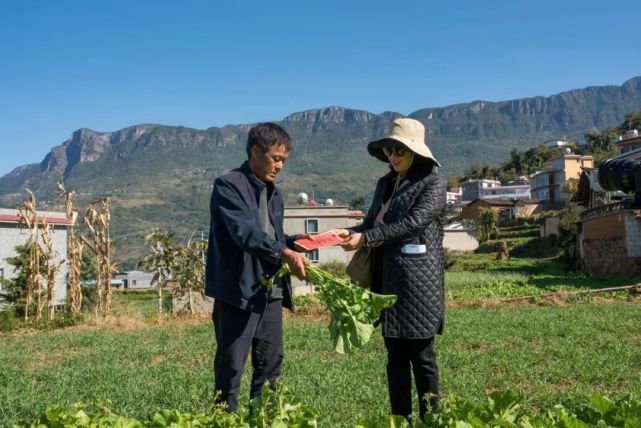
pixel 353 309
pixel 507 409
pixel 273 408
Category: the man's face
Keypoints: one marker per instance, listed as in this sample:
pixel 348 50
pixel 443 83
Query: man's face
pixel 266 165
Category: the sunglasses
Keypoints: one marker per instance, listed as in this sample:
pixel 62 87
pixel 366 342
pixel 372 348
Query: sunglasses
pixel 394 149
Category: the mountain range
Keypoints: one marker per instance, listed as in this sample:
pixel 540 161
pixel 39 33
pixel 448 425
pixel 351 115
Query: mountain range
pixel 161 176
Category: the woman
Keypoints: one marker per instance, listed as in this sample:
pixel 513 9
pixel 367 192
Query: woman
pixel 403 227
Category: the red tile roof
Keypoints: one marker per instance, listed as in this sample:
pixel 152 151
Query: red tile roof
pixel 13 218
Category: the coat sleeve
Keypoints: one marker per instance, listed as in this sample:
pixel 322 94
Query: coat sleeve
pixel 242 224
pixel 290 241
pixel 428 205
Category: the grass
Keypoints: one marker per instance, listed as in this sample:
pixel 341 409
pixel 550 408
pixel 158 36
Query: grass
pixel 475 277
pixel 553 354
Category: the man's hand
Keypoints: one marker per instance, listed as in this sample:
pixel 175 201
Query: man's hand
pixel 353 242
pixel 303 236
pixel 296 262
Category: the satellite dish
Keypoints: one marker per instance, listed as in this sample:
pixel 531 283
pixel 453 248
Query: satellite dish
pixel 329 203
pixel 568 151
pixel 301 198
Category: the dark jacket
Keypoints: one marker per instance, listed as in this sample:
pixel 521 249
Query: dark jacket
pixel 415 216
pixel 239 252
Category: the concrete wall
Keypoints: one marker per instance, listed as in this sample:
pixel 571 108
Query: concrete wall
pixel 611 243
pixel 459 240
pixel 11 235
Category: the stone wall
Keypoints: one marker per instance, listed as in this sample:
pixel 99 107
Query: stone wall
pixel 610 241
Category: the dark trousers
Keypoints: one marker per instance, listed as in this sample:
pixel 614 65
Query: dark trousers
pixel 237 331
pixel 403 357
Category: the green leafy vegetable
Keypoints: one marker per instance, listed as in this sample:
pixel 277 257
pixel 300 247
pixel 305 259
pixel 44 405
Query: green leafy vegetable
pixel 353 309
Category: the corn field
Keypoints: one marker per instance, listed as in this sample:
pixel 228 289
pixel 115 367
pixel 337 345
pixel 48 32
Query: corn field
pixel 74 251
pixel 97 220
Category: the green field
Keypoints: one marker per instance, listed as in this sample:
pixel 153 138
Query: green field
pixel 557 351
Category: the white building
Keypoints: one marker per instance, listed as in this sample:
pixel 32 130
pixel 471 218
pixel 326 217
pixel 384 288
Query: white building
pixel 519 191
pixel 629 142
pixel 135 279
pixel 473 189
pixel 551 144
pixel 493 189
pixel 12 234
pixel 455 196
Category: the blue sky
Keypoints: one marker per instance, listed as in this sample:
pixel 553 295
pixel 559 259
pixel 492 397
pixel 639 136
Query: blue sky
pixel 106 65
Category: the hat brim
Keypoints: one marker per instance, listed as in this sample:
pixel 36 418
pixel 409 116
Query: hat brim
pixel 375 148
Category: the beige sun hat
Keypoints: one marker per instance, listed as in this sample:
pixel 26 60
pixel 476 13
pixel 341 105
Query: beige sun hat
pixel 409 132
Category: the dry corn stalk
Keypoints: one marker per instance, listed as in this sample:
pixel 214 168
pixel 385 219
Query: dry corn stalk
pixel 52 266
pixel 74 250
pixel 97 220
pixel 28 216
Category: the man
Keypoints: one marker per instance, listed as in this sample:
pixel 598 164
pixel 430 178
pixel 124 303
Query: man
pixel 247 243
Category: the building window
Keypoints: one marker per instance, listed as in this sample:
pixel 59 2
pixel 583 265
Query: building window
pixel 311 226
pixel 133 282
pixel 313 256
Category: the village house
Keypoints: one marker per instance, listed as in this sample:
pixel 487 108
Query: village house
pixel 493 189
pixel 628 142
pixel 547 185
pixel 508 210
pixel 135 280
pixel 317 219
pixel 13 234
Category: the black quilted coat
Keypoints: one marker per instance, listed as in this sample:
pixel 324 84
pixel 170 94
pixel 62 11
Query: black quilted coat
pixel 415 216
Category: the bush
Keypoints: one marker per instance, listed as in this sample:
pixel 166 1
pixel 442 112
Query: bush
pixel 89 297
pixel 538 248
pixel 8 319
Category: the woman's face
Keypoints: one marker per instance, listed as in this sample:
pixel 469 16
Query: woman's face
pixel 399 157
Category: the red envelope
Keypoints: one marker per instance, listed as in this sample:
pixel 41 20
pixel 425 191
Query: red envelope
pixel 326 239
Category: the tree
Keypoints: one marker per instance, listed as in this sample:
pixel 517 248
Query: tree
pixel 159 261
pixel 569 188
pixel 487 224
pixel 188 267
pixel 89 269
pixel 15 289
pixel 632 121
pixel 600 141
pixel 357 203
pixel 453 181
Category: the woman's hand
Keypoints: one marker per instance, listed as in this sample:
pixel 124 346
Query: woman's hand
pixel 341 233
pixel 353 242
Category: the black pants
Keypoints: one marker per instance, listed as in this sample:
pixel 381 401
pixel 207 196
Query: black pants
pixel 238 331
pixel 403 357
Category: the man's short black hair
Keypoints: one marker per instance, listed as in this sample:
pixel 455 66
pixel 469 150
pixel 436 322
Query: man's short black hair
pixel 265 135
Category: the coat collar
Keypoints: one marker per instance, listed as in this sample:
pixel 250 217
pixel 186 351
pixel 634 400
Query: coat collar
pixel 258 184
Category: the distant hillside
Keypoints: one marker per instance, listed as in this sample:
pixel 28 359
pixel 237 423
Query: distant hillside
pixel 160 176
